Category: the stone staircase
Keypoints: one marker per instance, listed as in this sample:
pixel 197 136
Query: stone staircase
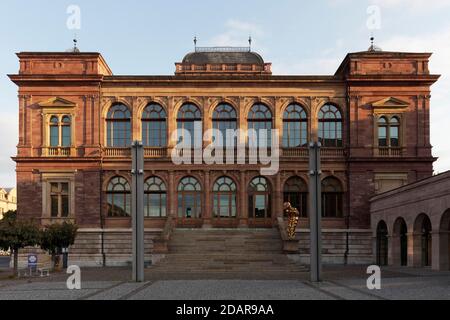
pixel 248 253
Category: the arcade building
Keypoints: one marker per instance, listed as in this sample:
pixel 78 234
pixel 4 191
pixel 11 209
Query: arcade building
pixel 77 120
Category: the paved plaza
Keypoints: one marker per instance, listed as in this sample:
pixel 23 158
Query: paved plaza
pixel 341 283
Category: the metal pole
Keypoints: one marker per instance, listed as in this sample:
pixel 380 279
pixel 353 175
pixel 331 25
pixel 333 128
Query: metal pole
pixel 315 212
pixel 137 210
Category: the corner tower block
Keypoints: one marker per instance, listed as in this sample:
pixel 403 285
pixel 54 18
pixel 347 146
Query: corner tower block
pixel 63 63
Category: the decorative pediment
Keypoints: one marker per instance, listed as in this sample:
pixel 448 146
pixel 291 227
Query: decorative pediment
pixel 390 103
pixel 57 102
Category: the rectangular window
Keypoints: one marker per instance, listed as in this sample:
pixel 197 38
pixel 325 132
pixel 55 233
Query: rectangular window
pixel 59 200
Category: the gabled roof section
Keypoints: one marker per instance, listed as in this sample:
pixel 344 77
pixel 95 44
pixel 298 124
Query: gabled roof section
pixel 57 102
pixel 390 103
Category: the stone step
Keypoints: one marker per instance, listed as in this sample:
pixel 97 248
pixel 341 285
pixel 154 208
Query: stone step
pixel 226 251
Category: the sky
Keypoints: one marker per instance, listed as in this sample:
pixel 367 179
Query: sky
pixel 298 37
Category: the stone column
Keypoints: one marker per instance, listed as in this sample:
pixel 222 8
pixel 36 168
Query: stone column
pixel 440 250
pixel 172 196
pixel 207 201
pixel 135 119
pixel 415 250
pixel 243 212
pixel 391 251
pixel 171 125
pixel 278 200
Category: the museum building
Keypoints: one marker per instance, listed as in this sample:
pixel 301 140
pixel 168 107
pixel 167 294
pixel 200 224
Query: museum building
pixel 77 121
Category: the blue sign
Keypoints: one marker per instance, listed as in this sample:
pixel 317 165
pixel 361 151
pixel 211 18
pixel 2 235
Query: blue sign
pixel 32 260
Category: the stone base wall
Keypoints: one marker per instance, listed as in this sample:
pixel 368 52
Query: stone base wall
pixel 87 250
pixel 334 246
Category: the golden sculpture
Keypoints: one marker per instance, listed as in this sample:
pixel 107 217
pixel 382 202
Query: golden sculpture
pixel 293 215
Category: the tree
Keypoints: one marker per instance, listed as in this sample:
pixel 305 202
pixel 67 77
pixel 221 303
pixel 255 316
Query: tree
pixel 16 234
pixel 58 236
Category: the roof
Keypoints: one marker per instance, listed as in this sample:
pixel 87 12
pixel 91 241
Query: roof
pixel 441 176
pixel 223 56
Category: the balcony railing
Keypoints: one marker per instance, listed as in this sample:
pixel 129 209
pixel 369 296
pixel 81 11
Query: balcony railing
pixel 390 151
pixel 126 152
pixel 150 152
pixel 117 152
pixel 155 152
pixel 57 151
pixel 295 152
pixel 332 152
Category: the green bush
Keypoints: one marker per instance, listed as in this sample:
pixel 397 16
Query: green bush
pixel 16 234
pixel 58 236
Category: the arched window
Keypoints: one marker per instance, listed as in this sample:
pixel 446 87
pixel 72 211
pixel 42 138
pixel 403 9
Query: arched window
pixel 382 132
pixel 260 119
pixel 382 244
pixel 295 192
pixel 54 131
pixel 330 126
pixel 224 195
pixel 388 132
pixel 155 197
pixel 331 198
pixel 188 118
pixel 259 199
pixel 119 197
pixel 118 124
pixel 295 127
pixel 189 198
pixel 154 126
pixel 66 131
pixel 60 131
pixel 224 118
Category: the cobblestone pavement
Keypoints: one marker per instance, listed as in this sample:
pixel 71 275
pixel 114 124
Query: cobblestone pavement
pixel 341 283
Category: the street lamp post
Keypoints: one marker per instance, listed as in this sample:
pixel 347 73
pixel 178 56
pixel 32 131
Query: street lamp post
pixel 137 210
pixel 315 212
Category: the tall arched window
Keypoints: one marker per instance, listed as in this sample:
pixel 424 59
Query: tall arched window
pixel 119 197
pixel 388 132
pixel 61 131
pixel 332 198
pixel 118 125
pixel 330 126
pixel 224 118
pixel 54 131
pixel 224 195
pixel 259 199
pixel 295 127
pixel 189 198
pixel 66 131
pixel 295 192
pixel 155 197
pixel 188 118
pixel 260 119
pixel 154 126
